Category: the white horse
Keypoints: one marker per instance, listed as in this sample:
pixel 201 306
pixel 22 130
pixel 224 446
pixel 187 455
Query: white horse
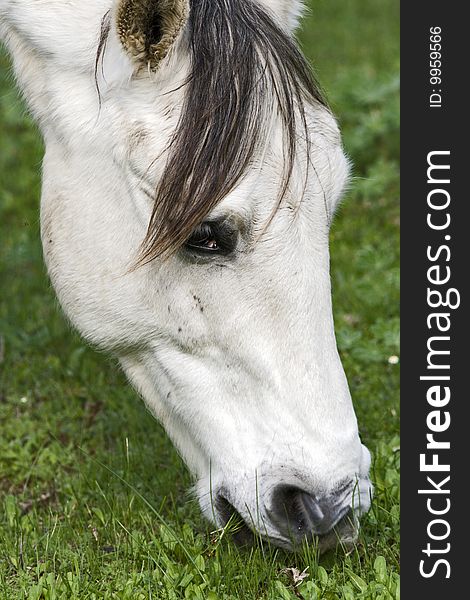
pixel 190 173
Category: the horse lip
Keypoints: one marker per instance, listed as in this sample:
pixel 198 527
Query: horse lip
pixel 337 537
pixel 242 534
pixel 344 512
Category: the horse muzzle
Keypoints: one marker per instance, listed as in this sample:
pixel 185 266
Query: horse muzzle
pixel 292 516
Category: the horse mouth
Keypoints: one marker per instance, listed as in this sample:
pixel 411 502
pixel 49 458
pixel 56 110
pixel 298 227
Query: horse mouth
pixel 343 534
pixel 241 533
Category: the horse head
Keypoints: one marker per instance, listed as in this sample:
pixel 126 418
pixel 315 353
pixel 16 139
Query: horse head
pixel 190 175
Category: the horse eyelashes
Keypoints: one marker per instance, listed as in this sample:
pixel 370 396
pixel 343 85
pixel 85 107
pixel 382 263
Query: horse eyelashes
pixel 218 238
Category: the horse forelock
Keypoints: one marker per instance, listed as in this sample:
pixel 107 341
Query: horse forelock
pixel 244 68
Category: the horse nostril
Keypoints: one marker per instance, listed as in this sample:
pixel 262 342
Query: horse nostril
pixel 298 513
pixel 241 533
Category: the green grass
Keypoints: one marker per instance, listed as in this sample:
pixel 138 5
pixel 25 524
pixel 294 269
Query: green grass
pixel 94 500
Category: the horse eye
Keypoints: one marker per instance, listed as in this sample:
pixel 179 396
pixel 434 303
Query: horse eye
pixel 212 238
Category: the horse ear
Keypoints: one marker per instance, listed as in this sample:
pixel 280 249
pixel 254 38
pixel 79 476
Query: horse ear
pixel 147 29
pixel 288 12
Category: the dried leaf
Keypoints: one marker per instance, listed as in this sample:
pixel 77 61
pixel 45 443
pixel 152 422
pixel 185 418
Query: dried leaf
pixel 295 575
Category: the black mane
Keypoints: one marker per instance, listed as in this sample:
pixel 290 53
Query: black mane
pixel 243 66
